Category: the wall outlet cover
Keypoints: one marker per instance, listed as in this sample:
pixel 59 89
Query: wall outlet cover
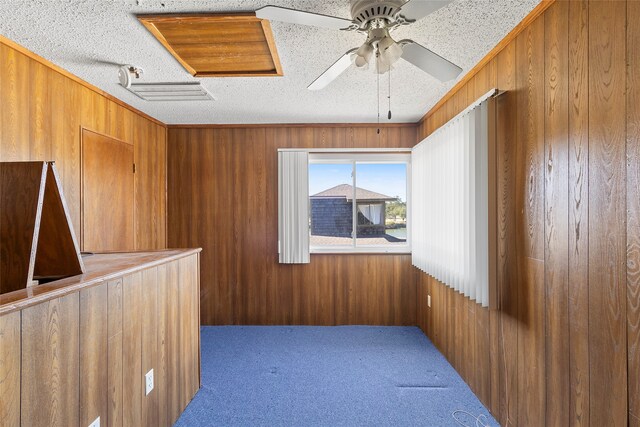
pixel 148 382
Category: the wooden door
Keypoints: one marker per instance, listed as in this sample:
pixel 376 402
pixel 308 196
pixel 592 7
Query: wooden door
pixel 107 194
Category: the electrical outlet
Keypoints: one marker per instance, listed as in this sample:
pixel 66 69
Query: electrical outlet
pixel 429 301
pixel 95 423
pixel 149 382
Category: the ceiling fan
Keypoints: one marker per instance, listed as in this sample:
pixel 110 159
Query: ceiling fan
pixel 377 19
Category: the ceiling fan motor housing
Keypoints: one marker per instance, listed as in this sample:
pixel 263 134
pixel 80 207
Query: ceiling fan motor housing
pixel 365 11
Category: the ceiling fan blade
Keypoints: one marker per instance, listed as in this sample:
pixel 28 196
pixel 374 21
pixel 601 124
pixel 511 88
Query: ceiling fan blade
pixel 293 16
pixel 414 10
pixel 429 62
pixel 334 71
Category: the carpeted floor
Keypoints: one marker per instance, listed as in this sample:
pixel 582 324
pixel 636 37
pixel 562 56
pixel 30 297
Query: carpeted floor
pixel 327 376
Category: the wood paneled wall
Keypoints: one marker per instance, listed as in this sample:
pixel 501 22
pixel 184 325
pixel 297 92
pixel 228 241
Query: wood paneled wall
pixel 222 196
pixel 43 111
pixel 68 360
pixel 564 348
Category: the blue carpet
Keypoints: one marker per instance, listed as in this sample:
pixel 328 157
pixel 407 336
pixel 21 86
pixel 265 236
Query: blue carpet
pixel 326 376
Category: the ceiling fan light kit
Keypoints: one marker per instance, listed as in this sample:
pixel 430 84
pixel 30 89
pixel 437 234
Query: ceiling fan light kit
pixel 387 50
pixel 377 19
pixel 363 55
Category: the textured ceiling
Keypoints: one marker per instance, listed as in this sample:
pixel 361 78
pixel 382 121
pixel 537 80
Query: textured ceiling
pixel 90 37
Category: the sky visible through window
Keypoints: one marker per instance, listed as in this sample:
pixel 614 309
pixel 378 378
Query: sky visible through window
pixel 389 179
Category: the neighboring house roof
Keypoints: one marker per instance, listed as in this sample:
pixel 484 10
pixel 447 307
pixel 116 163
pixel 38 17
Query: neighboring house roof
pixel 346 191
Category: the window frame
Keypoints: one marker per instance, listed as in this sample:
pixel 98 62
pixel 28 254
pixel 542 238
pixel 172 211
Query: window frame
pixel 370 157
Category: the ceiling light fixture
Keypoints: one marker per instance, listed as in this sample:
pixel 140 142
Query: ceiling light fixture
pixel 376 19
pixel 387 50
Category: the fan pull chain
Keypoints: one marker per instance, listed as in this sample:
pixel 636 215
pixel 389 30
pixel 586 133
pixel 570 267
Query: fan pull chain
pixel 389 96
pixel 378 79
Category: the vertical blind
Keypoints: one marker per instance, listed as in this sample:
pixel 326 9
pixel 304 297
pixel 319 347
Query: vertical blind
pixel 450 232
pixel 293 207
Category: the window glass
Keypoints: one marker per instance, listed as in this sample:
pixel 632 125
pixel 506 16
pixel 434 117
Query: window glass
pixel 382 204
pixel 366 193
pixel 330 221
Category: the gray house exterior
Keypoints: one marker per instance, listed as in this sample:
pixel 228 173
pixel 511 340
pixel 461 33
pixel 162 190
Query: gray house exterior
pixel 332 212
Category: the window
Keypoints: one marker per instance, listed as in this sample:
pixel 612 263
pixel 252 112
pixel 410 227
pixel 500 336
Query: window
pixel 359 202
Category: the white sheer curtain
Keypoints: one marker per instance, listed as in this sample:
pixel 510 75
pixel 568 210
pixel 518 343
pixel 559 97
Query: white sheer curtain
pixel 293 207
pixel 372 212
pixel 376 214
pixel 450 203
pixel 365 210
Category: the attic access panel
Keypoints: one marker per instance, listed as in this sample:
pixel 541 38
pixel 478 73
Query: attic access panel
pixel 218 45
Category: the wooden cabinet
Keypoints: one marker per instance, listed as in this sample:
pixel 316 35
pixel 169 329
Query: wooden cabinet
pixel 79 348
